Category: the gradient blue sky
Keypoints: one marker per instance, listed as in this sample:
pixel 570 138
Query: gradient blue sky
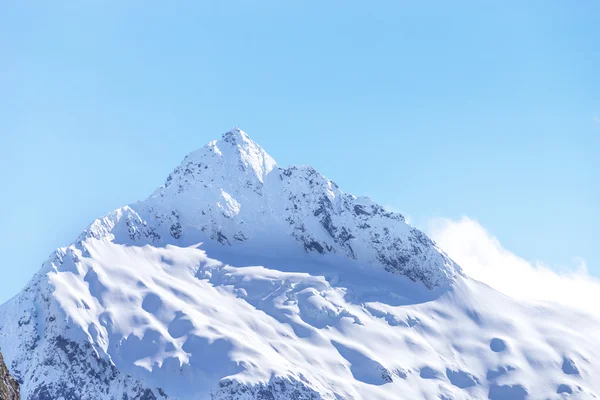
pixel 436 109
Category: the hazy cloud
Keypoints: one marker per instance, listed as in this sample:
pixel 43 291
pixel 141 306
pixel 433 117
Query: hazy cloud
pixel 482 257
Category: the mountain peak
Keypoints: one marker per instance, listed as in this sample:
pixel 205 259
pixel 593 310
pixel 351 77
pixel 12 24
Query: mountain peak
pixel 239 151
pixel 236 136
pixel 232 192
pixel 228 161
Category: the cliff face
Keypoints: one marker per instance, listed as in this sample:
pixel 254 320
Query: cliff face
pixel 9 387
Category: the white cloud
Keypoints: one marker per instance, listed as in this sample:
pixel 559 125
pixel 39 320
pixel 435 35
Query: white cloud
pixel 482 257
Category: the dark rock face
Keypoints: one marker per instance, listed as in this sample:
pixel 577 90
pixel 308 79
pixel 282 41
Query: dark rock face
pixel 276 388
pixel 9 387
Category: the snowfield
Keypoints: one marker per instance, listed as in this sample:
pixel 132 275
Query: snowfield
pixel 238 279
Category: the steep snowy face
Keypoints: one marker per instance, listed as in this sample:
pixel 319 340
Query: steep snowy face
pixel 231 191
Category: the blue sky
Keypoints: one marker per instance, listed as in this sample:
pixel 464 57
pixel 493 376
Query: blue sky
pixel 437 109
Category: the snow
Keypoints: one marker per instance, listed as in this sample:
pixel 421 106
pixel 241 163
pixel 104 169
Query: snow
pixel 239 278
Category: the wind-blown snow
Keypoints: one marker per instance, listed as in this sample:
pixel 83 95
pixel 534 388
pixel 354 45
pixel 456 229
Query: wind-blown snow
pixel 241 280
pixel 484 258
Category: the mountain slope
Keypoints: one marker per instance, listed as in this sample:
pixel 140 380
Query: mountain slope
pixel 239 279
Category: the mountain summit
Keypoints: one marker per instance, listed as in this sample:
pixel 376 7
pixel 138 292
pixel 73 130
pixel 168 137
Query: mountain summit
pixel 232 191
pixel 237 151
pixel 239 279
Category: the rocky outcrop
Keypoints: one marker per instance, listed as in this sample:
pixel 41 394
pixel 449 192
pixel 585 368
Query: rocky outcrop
pixel 9 387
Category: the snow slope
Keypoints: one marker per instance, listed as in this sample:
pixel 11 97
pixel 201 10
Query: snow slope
pixel 239 279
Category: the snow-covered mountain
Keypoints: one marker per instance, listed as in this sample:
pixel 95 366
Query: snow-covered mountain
pixel 239 279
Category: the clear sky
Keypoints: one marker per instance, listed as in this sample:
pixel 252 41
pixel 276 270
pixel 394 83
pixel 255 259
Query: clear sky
pixel 489 110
